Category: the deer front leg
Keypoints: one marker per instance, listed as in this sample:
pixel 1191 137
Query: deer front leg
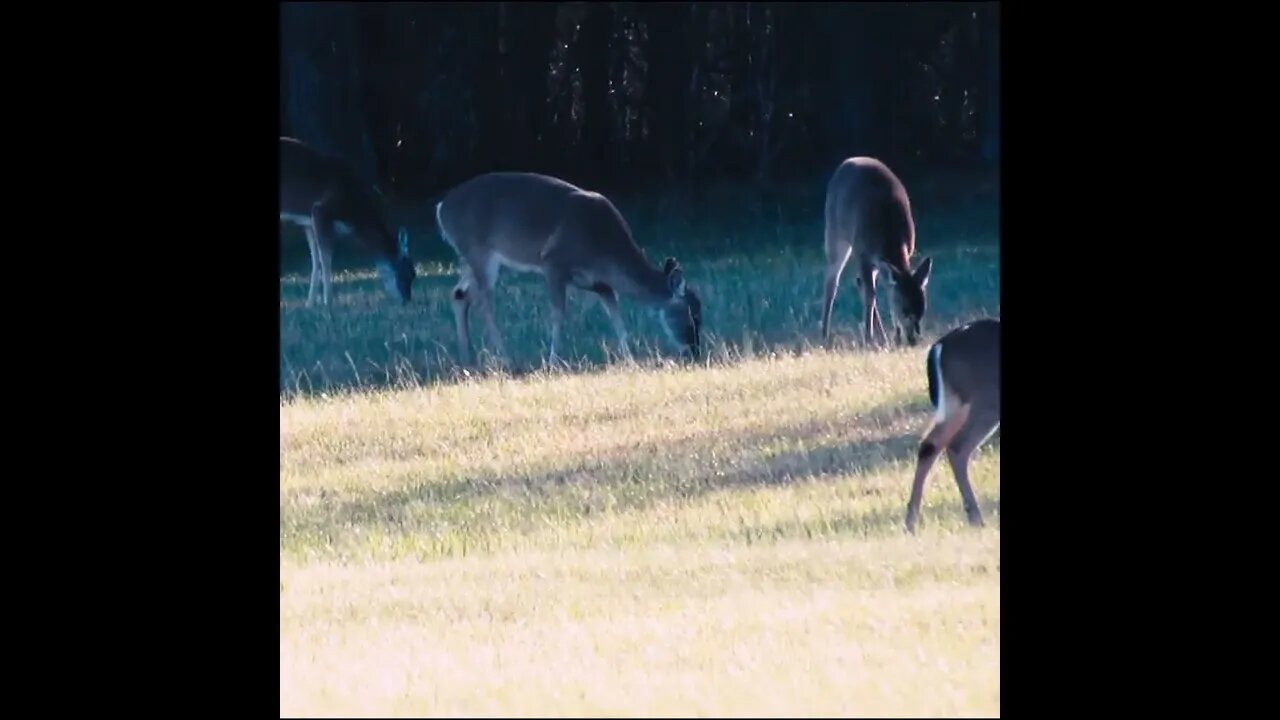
pixel 326 269
pixel 557 288
pixel 322 219
pixel 880 331
pixel 831 285
pixel 866 284
pixel 609 300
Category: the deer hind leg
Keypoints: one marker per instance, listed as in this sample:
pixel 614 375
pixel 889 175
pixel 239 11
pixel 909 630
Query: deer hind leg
pixel 485 275
pixel 836 261
pixel 312 243
pixel 947 422
pixel 976 430
pixel 609 300
pixel 461 312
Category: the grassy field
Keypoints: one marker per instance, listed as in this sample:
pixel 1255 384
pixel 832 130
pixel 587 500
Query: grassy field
pixel 722 539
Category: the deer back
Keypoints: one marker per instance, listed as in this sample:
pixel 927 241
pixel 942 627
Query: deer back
pixel 529 218
pixel 871 211
pixel 309 177
pixel 967 360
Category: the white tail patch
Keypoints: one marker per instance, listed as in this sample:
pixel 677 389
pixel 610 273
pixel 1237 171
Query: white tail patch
pixel 941 414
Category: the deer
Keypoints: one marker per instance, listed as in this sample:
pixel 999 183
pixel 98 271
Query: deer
pixel 319 193
pixel 868 218
pixel 534 223
pixel 963 370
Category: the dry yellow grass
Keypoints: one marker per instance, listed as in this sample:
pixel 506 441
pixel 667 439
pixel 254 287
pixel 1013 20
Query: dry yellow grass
pixel 710 541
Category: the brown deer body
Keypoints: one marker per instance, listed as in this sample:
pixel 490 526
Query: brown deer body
pixel 573 237
pixel 319 193
pixel 963 368
pixel 868 218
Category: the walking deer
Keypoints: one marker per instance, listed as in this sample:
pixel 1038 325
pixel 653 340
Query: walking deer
pixel 572 237
pixel 963 368
pixel 319 193
pixel 868 219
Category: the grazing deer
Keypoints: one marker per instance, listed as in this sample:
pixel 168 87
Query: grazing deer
pixel 963 368
pixel 535 223
pixel 868 218
pixel 319 193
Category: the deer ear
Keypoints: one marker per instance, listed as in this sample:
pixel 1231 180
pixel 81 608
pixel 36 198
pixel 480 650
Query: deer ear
pixel 668 265
pixel 403 239
pixel 922 272
pixel 675 281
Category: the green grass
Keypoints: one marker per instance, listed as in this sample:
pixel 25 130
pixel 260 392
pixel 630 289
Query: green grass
pixel 654 539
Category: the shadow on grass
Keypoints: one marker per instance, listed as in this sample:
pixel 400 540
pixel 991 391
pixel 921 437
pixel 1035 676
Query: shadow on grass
pixel 631 480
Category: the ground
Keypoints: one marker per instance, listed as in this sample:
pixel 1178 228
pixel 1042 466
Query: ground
pixel 723 539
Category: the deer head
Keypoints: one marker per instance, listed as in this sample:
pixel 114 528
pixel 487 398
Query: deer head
pixel 910 299
pixel 682 313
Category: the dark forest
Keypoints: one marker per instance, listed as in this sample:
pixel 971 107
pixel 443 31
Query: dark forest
pixel 629 96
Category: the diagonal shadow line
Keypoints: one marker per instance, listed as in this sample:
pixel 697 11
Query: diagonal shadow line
pixel 480 428
pixel 817 461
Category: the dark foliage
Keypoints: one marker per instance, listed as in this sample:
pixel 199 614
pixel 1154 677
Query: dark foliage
pixel 629 95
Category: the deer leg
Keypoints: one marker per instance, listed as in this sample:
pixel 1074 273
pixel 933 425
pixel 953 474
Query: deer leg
pixel 866 284
pixel 960 452
pixel 557 287
pixel 609 300
pixel 490 327
pixel 942 429
pixel 461 311
pixel 326 269
pixel 315 265
pixel 877 315
pixel 482 291
pixel 835 268
pixel 323 221
pixel 879 327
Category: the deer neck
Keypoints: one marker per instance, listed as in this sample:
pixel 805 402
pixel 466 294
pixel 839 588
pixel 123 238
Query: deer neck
pixel 643 283
pixel 897 256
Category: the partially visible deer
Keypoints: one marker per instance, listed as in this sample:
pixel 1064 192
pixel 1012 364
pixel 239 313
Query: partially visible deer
pixel 963 368
pixel 319 193
pixel 868 218
pixel 573 237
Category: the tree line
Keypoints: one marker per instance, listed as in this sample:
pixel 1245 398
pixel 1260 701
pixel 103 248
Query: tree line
pixel 633 94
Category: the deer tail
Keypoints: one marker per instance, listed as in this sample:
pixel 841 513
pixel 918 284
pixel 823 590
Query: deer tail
pixel 933 369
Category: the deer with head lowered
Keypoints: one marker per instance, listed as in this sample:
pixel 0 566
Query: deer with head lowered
pixel 868 218
pixel 963 369
pixel 320 193
pixel 573 237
